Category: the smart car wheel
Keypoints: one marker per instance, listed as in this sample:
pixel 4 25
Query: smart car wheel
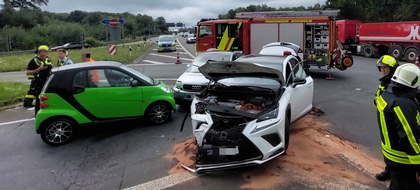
pixel 159 113
pixel 58 131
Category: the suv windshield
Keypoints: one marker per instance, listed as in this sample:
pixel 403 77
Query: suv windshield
pixel 202 59
pixel 140 75
pixel 255 82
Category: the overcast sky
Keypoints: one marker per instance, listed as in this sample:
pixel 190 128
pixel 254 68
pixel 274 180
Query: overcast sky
pixel 186 11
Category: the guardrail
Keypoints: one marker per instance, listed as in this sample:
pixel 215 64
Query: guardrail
pixel 17 52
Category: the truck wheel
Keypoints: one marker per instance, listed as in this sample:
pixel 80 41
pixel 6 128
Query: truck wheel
pixel 396 51
pixel 58 131
pixel 369 51
pixel 411 54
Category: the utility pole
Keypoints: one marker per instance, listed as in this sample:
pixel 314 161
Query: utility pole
pixel 8 43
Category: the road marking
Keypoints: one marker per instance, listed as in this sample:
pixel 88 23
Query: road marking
pixel 165 182
pixel 166 79
pixel 185 49
pixel 167 56
pixel 17 121
pixel 153 62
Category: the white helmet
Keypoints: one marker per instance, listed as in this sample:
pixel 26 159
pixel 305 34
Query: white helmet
pixel 408 75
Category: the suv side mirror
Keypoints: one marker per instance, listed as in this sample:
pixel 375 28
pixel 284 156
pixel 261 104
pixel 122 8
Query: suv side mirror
pixel 298 81
pixel 135 83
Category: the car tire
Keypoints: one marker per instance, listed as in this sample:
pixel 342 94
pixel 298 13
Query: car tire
pixel 286 133
pixel 58 131
pixel 369 51
pixel 396 51
pixel 158 113
pixel 411 54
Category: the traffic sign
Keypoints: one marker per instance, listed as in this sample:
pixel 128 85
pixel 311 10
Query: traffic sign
pixel 112 49
pixel 114 22
pixel 106 21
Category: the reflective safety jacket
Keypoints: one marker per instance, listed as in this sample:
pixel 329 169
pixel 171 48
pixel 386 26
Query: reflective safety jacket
pixel 385 81
pixel 399 120
pixel 44 73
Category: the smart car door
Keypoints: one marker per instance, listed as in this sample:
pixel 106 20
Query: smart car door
pixel 107 93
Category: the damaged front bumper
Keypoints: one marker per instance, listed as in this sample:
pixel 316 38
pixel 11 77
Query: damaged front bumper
pixel 217 167
pixel 229 141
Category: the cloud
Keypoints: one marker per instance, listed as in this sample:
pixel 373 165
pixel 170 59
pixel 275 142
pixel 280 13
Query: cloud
pixel 186 11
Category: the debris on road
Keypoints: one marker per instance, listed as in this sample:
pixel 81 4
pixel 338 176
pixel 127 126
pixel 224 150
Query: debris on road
pixel 315 158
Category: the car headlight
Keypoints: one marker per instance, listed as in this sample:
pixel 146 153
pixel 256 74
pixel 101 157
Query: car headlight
pixel 173 44
pixel 166 89
pixel 270 115
pixel 159 44
pixel 178 84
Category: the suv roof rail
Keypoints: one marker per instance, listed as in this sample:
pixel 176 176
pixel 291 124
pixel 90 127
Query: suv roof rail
pixel 330 13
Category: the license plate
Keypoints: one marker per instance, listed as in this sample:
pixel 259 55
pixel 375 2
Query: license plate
pixel 228 151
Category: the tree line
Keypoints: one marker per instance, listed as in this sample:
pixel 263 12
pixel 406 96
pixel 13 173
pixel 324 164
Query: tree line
pixel 25 25
pixel 365 11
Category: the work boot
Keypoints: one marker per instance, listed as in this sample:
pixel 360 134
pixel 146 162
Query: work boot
pixel 383 176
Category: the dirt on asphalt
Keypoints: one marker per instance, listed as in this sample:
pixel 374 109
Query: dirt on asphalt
pixel 315 158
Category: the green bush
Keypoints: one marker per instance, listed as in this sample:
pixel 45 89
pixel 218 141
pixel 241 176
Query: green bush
pixel 92 42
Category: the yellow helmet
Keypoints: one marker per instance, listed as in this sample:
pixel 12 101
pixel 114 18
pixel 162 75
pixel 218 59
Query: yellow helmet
pixel 43 47
pixel 387 60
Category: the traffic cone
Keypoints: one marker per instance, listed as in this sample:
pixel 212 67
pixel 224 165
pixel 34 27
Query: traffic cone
pixel 178 61
pixel 417 61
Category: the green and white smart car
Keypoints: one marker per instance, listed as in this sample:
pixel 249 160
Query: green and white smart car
pixel 99 92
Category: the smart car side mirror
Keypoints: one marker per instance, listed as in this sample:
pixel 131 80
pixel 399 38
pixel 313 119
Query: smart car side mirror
pixel 189 65
pixel 78 89
pixel 298 81
pixel 135 83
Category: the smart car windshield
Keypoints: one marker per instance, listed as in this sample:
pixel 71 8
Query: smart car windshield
pixel 202 59
pixel 138 74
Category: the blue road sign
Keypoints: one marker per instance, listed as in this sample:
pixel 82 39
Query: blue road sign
pixel 106 21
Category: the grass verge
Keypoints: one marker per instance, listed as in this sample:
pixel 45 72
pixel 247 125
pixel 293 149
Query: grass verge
pixel 12 92
pixel 18 62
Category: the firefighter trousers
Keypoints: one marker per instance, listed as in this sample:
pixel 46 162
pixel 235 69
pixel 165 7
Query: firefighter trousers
pixel 30 95
pixel 403 178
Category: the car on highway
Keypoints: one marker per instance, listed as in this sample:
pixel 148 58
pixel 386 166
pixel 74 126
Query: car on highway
pixel 166 43
pixel 243 116
pixel 190 39
pixel 71 45
pixel 100 92
pixel 191 82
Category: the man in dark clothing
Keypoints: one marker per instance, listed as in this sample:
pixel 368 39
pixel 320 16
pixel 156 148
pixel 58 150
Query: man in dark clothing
pixel 387 66
pixel 40 67
pixel 399 119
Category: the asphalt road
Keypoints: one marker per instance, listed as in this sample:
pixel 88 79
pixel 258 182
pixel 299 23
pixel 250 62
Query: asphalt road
pixel 123 155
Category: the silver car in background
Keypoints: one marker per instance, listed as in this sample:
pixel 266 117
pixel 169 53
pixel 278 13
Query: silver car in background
pixel 191 82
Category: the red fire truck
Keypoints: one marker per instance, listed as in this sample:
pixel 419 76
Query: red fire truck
pixel 399 39
pixel 313 31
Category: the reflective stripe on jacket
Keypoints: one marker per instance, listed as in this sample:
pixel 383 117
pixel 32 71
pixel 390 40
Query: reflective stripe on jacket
pixel 399 121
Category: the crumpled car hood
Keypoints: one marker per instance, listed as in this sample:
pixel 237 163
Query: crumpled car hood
pixel 227 69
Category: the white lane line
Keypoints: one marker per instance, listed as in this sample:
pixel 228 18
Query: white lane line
pixel 17 121
pixel 167 56
pixel 153 62
pixel 167 79
pixel 165 182
pixel 185 49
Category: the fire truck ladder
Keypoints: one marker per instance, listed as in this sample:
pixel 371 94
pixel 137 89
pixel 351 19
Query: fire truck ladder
pixel 330 13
